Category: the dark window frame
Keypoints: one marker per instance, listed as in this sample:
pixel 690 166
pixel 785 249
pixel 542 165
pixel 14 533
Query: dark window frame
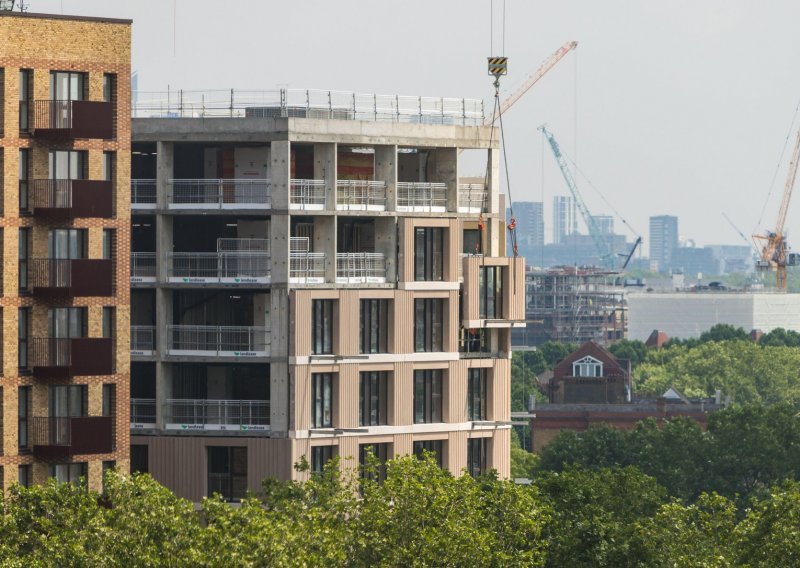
pixel 24 176
pixel 23 338
pixel 380 451
pixel 435 447
pixel 322 317
pixel 24 248
pixel 428 396
pixel 374 325
pixel 477 385
pixel 232 483
pixel 490 285
pixel 476 456
pixel 320 455
pixel 429 248
pixel 25 99
pixel 322 400
pixel 429 325
pixel 24 408
pixel 373 398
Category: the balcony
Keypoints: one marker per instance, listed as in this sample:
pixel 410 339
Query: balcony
pixel 473 198
pixel 62 438
pixel 493 293
pixel 307 194
pixel 358 195
pixel 143 194
pixel 73 119
pixel 71 278
pixel 197 414
pixel 360 268
pixel 227 194
pixel 143 340
pixel 307 267
pixel 224 267
pixel 143 413
pixel 239 342
pixel 421 197
pixel 143 267
pixel 60 199
pixel 55 358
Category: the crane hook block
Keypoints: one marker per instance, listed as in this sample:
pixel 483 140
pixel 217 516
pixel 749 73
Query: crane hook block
pixel 498 66
pixel 512 225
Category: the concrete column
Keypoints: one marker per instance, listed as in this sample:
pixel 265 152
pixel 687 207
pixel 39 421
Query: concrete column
pixel 280 382
pixel 279 249
pixel 443 168
pixel 386 244
pixel 386 171
pixel 325 241
pixel 494 182
pixel 163 391
pixel 325 169
pixel 165 165
pixel 280 166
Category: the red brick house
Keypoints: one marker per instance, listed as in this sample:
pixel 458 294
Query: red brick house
pixel 591 374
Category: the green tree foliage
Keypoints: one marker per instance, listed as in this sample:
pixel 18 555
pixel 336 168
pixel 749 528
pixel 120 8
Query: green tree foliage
pixel 635 351
pixel 770 533
pixel 780 337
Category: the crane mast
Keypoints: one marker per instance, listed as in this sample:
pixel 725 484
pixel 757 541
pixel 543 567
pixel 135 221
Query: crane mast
pixel 594 231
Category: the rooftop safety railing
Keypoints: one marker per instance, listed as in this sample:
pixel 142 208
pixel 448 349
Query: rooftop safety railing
pixel 307 194
pixel 143 193
pixel 422 197
pixel 307 267
pixel 360 195
pixel 219 341
pixel 143 339
pixel 219 193
pixel 472 198
pixel 360 268
pixel 143 266
pixel 143 411
pixel 203 412
pixel 229 267
pixel 307 103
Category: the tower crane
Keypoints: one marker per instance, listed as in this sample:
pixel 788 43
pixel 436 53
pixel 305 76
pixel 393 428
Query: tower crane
pixel 603 249
pixel 774 248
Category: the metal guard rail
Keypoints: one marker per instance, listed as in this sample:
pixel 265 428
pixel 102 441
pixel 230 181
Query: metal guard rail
pixel 218 264
pixel 143 337
pixel 307 264
pixel 220 191
pixel 143 191
pixel 307 192
pixel 217 412
pixel 143 410
pixel 421 194
pixel 360 192
pixel 217 338
pixel 143 264
pixel 362 265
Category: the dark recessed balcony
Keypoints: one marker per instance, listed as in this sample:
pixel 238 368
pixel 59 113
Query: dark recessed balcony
pixel 56 358
pixel 70 198
pixel 73 119
pixel 70 278
pixel 60 438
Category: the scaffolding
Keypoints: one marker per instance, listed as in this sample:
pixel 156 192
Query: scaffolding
pixel 573 305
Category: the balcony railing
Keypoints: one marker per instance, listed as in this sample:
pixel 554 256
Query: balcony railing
pixel 473 198
pixel 68 198
pixel 228 267
pixel 358 195
pixel 360 268
pixel 307 194
pixel 422 197
pixel 73 119
pixel 199 414
pixel 307 267
pixel 60 358
pixel 218 341
pixel 143 412
pixel 143 340
pixel 220 194
pixel 143 193
pixel 52 277
pixel 143 267
pixel 59 438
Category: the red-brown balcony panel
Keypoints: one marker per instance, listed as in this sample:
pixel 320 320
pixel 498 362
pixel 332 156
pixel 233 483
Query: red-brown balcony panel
pixel 71 278
pixel 73 119
pixel 62 438
pixel 61 358
pixel 59 199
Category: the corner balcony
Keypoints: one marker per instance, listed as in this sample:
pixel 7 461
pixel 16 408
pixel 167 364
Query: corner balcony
pixel 143 194
pixel 143 340
pixel 307 267
pixel 473 198
pixel 223 194
pixel 56 358
pixel 360 268
pixel 307 194
pixel 202 414
pixel 71 278
pixel 226 267
pixel 209 341
pixel 143 267
pixel 60 199
pixel 143 413
pixel 421 197
pixel 358 195
pixel 62 438
pixel 73 119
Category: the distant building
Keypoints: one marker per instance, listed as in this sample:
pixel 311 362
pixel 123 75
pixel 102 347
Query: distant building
pixel 663 239
pixel 733 258
pixel 530 223
pixel 590 374
pixel 692 261
pixel 605 224
pixel 565 221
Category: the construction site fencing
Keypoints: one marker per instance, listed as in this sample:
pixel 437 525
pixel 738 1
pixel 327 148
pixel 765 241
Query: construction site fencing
pixel 307 103
pixel 214 265
pixel 143 338
pixel 307 266
pixel 143 265
pixel 307 193
pixel 422 196
pixel 218 339
pixel 217 412
pixel 220 193
pixel 361 267
pixel 361 194
pixel 143 192
pixel 143 411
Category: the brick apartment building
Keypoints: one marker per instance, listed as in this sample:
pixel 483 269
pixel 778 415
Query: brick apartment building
pixel 65 242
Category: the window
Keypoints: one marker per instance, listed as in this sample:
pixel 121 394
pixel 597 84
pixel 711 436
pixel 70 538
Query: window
pixel 109 87
pixel 109 166
pixel 109 399
pixel 24 403
pixel 587 367
pixel 428 253
pixel 24 475
pixel 322 326
pixel 427 396
pixel 24 248
pixel 381 452
pixel 108 322
pixel 67 243
pixel 428 318
pixel 373 398
pixel 24 176
pixel 322 400
pixel 476 456
pixel 109 243
pixel 140 462
pixel 472 241
pixel 491 292
pixel 68 472
pixel 320 455
pixel 227 472
pixel 430 446
pixel 23 335
pixel 476 394
pixel 67 401
pixel 68 86
pixel 374 326
pixel 67 164
pixel 64 323
pixel 2 97
pixel 25 99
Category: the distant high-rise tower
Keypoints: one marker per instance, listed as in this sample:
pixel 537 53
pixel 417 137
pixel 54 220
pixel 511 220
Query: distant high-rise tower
pixel 663 238
pixel 530 222
pixel 564 220
pixel 605 223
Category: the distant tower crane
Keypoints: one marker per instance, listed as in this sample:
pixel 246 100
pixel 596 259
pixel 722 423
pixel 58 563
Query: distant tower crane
pixel 774 248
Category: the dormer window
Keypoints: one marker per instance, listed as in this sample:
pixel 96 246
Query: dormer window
pixel 587 367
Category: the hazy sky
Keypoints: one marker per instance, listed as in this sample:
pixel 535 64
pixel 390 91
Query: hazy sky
pixel 675 107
